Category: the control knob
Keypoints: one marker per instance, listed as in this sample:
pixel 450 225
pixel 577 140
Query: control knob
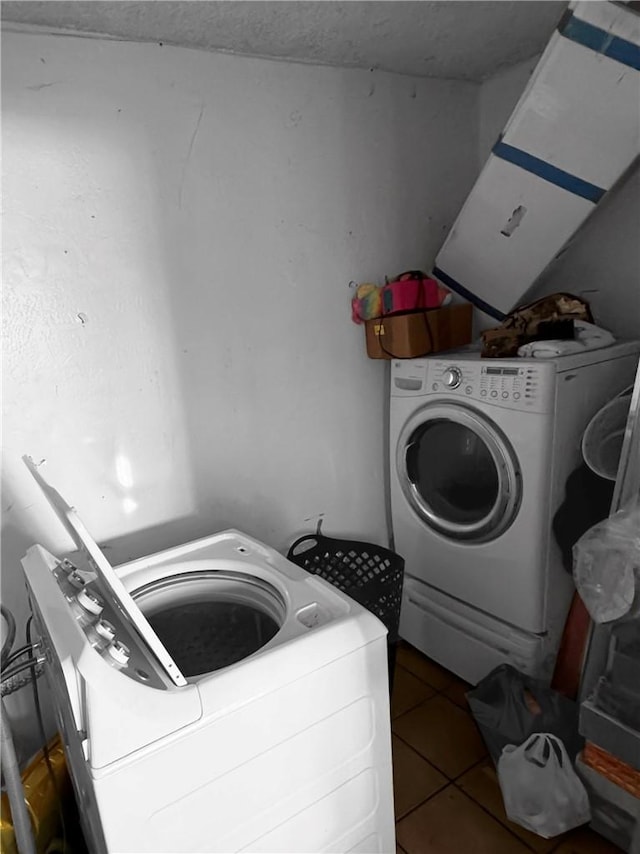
pixel 117 655
pixel 86 607
pixel 452 377
pixel 101 634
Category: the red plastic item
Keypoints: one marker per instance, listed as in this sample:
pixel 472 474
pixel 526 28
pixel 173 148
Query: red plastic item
pixel 566 677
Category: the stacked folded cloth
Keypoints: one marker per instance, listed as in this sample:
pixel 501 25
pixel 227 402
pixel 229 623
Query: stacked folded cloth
pixel 557 325
pixel 587 337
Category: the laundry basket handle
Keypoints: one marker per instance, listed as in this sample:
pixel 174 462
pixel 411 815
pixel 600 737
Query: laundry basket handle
pixel 310 540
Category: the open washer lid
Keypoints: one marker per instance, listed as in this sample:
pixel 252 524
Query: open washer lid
pixel 111 587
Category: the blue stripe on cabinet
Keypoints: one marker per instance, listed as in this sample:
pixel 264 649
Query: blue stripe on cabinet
pixel 601 41
pixel 446 279
pixel 547 172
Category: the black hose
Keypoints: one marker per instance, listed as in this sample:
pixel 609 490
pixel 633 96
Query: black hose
pixel 11 634
pixel 20 680
pixel 18 653
pixel 31 664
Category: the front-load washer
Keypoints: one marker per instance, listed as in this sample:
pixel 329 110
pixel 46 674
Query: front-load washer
pixel 480 451
pixel 214 697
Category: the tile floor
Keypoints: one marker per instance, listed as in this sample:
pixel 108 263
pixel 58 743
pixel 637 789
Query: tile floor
pixel 447 798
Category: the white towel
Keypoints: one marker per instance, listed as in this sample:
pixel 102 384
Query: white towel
pixel 588 337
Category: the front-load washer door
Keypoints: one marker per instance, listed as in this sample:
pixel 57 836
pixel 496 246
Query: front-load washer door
pixel 458 472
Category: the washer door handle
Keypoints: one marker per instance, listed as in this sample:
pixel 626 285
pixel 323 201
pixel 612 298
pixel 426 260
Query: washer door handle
pixel 411 462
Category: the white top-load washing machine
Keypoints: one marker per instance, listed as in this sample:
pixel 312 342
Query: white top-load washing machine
pixel 214 697
pixel 480 451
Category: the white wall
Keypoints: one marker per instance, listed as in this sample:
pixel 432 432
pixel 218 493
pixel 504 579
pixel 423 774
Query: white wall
pixel 179 232
pixel 497 98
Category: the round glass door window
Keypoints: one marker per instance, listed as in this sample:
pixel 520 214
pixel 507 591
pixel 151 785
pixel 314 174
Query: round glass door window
pixel 459 473
pixel 209 620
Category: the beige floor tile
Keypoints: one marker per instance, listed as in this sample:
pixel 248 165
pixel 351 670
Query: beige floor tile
pixel 408 691
pixel 583 840
pixel 443 734
pixel 412 659
pixel 456 691
pixel 450 823
pixel 481 784
pixel 414 779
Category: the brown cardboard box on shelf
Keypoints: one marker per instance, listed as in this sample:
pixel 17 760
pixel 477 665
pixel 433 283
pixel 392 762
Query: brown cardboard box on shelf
pixel 418 333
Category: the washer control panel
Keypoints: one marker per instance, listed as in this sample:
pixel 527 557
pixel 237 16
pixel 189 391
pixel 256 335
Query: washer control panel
pixel 505 383
pixel 514 384
pixel 104 626
pixel 135 647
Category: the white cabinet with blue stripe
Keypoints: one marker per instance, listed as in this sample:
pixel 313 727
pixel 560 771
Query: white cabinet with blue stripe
pixel 573 134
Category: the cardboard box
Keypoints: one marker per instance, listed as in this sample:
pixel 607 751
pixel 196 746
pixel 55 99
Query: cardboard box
pixel 419 333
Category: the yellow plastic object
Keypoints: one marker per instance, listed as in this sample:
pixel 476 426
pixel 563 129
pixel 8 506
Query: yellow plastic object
pixel 42 801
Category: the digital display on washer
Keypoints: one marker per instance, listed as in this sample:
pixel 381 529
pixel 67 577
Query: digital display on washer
pixel 503 372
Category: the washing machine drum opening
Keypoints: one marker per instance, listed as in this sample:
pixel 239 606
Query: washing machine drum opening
pixel 460 476
pixel 209 620
pixel 461 484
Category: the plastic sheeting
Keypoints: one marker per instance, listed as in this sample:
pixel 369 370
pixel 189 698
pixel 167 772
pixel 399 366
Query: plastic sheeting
pixel 606 566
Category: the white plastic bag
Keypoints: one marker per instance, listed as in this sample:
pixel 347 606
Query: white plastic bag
pixel 541 791
pixel 606 566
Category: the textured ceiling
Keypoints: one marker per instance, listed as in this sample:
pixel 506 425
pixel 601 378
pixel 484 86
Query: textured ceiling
pixel 460 39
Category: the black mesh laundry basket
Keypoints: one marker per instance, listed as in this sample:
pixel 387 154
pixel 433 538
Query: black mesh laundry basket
pixel 372 575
